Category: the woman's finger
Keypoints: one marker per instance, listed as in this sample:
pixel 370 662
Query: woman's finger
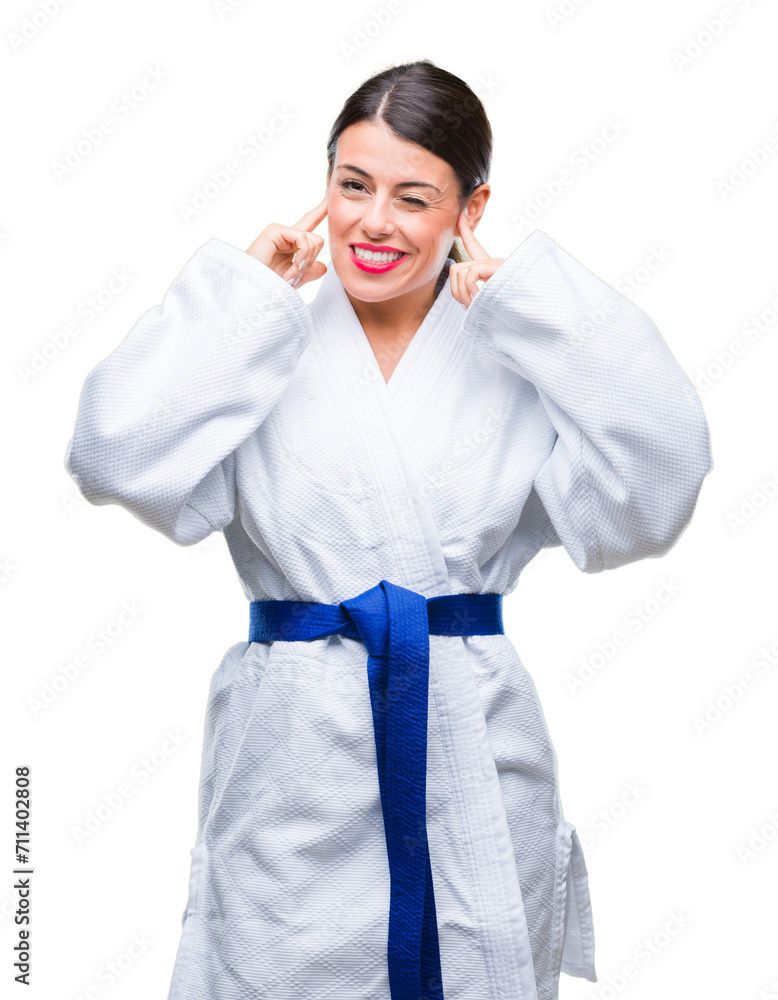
pixel 291 250
pixel 304 253
pixel 305 258
pixel 465 275
pixel 458 289
pixel 311 219
pixel 473 247
pixel 277 247
pixel 286 242
pixel 312 272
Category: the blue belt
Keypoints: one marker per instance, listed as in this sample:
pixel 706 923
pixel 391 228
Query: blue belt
pixel 395 625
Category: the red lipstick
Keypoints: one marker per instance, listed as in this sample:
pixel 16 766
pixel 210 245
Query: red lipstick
pixel 374 267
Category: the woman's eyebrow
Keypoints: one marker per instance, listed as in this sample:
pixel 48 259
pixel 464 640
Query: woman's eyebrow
pixel 359 170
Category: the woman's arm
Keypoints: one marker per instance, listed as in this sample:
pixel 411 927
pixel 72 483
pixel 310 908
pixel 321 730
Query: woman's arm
pixel 159 419
pixel 632 445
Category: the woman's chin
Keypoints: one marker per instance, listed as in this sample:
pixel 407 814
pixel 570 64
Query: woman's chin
pixel 362 284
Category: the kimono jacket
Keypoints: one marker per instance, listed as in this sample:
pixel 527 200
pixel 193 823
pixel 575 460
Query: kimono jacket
pixel 550 412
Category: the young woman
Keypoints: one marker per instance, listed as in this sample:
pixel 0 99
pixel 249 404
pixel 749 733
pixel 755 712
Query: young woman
pixel 379 811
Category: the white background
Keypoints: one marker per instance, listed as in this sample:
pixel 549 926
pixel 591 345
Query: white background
pixel 679 842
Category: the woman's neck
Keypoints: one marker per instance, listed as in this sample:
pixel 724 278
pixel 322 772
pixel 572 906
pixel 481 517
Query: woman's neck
pixel 400 315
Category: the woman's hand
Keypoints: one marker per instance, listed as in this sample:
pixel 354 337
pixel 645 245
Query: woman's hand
pixel 277 245
pixel 464 274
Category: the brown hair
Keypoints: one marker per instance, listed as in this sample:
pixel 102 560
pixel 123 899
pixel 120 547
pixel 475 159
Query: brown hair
pixel 426 105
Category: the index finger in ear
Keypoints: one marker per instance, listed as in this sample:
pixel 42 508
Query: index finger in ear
pixel 311 219
pixel 473 247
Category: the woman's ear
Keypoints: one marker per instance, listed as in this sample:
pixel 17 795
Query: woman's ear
pixel 476 204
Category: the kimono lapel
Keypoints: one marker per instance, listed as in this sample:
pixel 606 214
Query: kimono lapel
pixel 425 357
pixel 384 415
pixel 425 353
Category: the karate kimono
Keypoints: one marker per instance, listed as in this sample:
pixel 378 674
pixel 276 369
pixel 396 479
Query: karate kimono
pixel 550 412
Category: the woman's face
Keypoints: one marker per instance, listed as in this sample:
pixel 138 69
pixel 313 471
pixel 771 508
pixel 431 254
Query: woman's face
pixel 386 192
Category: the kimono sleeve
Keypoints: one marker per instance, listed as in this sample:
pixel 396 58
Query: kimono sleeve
pixel 632 444
pixel 159 419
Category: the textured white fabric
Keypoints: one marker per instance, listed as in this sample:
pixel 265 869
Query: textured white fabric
pixel 551 412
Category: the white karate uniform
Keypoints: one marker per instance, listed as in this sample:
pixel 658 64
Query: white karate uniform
pixel 551 412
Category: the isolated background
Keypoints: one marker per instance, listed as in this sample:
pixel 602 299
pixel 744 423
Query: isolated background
pixel 675 818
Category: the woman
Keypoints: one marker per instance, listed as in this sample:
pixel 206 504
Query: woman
pixel 379 811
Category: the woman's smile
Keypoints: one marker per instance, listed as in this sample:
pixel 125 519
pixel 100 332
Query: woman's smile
pixel 375 260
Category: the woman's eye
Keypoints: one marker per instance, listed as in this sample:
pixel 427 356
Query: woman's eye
pixel 351 185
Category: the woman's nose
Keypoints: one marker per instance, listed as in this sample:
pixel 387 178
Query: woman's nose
pixel 378 217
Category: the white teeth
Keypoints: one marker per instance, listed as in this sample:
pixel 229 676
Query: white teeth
pixel 380 258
